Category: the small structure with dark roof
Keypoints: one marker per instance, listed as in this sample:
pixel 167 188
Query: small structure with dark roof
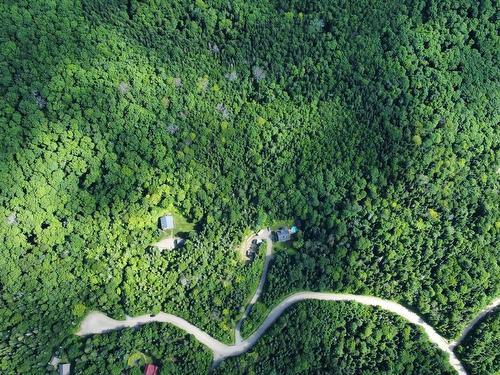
pixel 283 235
pixel 166 222
pixel 151 369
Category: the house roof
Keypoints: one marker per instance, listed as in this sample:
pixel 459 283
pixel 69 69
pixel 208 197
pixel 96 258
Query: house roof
pixel 167 222
pixel 64 369
pixel 283 234
pixel 151 369
pixel 283 231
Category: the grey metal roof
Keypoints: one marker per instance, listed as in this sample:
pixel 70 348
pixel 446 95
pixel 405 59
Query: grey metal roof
pixel 283 234
pixel 167 222
pixel 64 369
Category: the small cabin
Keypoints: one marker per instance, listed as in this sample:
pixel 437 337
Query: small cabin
pixel 166 222
pixel 151 369
pixel 283 235
pixel 64 369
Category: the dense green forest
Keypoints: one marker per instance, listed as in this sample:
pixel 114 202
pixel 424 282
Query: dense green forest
pixel 373 122
pixel 127 351
pixel 480 351
pixel 317 337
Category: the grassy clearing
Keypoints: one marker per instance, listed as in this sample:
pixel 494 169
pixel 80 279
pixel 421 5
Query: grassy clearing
pixel 284 247
pixel 138 359
pixel 243 245
pixel 277 224
pixel 181 225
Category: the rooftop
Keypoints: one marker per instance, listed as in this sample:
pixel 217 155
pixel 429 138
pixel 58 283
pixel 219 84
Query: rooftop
pixel 150 369
pixel 64 369
pixel 167 222
pixel 283 234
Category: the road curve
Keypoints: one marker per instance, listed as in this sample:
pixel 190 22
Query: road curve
pixel 493 305
pixel 97 322
pixel 262 235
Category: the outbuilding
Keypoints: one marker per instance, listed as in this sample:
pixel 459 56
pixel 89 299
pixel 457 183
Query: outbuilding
pixel 64 369
pixel 151 369
pixel 166 222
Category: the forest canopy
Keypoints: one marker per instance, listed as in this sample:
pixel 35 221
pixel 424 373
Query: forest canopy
pixel 318 337
pixel 373 123
pixel 126 352
pixel 480 351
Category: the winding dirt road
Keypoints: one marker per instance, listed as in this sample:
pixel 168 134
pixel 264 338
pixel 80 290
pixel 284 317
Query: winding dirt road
pixel 492 306
pixel 262 235
pixel 96 322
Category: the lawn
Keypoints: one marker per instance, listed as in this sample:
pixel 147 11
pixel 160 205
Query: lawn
pixel 277 224
pixel 181 225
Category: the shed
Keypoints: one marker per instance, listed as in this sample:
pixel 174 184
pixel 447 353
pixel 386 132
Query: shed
pixel 167 222
pixel 179 242
pixel 283 234
pixel 54 361
pixel 151 369
pixel 64 369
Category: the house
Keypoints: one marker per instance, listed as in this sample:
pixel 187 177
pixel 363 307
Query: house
pixel 166 222
pixel 283 234
pixel 64 369
pixel 151 369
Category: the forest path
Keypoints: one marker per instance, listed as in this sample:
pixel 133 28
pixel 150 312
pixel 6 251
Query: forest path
pixel 265 235
pixel 97 322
